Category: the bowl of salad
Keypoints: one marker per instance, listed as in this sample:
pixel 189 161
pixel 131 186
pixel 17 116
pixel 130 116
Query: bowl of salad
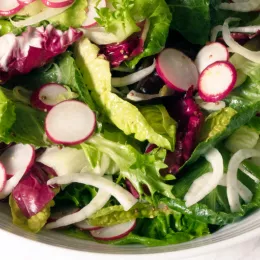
pixel 130 123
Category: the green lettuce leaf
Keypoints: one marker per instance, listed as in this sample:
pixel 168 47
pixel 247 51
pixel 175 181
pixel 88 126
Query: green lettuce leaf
pixel 118 20
pixel 125 116
pixel 138 168
pixel 72 17
pixel 20 123
pixel 159 16
pixel 191 19
pixel 33 224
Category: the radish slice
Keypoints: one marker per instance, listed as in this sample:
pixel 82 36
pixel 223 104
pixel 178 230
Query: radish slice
pixel 92 13
pixel 236 47
pixel 200 189
pixel 84 225
pixel 211 53
pixel 25 2
pixel 177 70
pixel 9 7
pixel 57 3
pixel 246 6
pixel 216 81
pixel 232 187
pixel 17 160
pixel 46 96
pixel 125 198
pixel 3 177
pixel 114 232
pixel 70 122
pixel 99 201
pixel 44 15
pixel 133 78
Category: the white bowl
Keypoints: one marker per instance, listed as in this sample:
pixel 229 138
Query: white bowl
pixel 54 244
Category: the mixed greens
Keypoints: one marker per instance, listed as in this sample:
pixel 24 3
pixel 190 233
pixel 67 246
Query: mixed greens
pixel 130 121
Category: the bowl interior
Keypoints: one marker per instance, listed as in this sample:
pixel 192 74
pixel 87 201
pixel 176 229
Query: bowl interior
pixel 245 229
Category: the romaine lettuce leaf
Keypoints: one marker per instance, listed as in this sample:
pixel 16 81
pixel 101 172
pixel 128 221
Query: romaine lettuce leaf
pixel 72 17
pixel 125 116
pixel 118 20
pixel 139 169
pixel 159 15
pixel 33 224
pixel 191 19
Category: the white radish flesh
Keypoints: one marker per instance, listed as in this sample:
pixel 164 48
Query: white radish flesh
pixel 133 78
pixel 3 177
pixel 9 7
pixel 70 122
pixel 114 232
pixel 216 81
pixel 211 53
pixel 199 190
pixel 84 225
pixel 57 3
pixel 124 197
pixel 177 70
pixel 17 160
pixel 46 96
pixel 245 6
pixel 64 161
pixel 92 13
pixel 232 187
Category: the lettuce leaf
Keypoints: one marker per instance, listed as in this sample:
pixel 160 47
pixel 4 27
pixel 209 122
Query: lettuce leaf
pixel 139 169
pixel 191 19
pixel 72 17
pixel 158 13
pixel 125 116
pixel 33 224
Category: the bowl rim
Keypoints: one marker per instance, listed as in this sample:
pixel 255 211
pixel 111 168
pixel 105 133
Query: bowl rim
pixel 48 249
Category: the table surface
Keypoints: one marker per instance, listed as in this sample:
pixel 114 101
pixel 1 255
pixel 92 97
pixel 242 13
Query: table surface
pixel 249 250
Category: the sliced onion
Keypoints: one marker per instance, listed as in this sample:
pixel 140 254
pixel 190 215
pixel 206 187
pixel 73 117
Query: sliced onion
pixel 232 187
pixel 44 15
pixel 236 47
pixel 245 6
pixel 201 189
pixel 136 96
pixel 98 202
pixel 134 77
pixel 125 198
pixel 249 174
pixel 245 29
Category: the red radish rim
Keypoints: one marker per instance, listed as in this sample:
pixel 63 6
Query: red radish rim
pixel 29 165
pixel 54 140
pixel 215 98
pixel 164 78
pixel 60 4
pixel 3 182
pixel 25 2
pixel 36 101
pixel 115 237
pixel 12 11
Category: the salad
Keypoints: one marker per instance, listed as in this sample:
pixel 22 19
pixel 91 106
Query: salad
pixel 130 121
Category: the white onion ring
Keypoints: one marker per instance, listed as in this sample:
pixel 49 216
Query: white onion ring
pixel 245 6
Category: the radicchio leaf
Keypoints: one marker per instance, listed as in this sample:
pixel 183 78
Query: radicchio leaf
pixel 33 49
pixel 32 193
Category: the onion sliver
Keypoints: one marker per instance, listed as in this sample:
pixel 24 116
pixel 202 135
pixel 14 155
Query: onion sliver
pixel 232 187
pixel 245 29
pixel 44 15
pixel 133 78
pixel 236 47
pixel 246 6
pixel 215 159
pixel 125 198
pixel 97 203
